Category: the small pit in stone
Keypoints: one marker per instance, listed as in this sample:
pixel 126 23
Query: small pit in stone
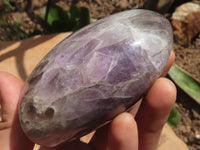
pixel 27 123
pixel 49 112
pixel 30 109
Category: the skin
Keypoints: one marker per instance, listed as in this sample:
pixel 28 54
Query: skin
pixel 138 129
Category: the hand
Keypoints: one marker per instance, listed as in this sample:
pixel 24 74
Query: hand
pixel 138 129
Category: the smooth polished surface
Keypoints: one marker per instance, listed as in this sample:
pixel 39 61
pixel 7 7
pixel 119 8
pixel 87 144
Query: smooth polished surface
pixel 93 75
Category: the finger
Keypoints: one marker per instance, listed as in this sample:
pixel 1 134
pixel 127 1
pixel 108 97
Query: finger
pixel 9 92
pixel 169 63
pixel 125 123
pixel 11 135
pixel 154 112
pixel 123 133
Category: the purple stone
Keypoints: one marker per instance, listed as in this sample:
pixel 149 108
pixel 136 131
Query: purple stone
pixel 93 75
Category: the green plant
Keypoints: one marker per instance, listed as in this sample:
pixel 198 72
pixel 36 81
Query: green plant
pixel 174 118
pixel 188 84
pixel 18 21
pixel 8 4
pixel 79 17
pixel 58 20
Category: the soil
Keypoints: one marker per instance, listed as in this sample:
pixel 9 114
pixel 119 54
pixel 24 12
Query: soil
pixel 187 57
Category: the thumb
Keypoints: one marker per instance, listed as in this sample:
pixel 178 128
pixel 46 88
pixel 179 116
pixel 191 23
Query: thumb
pixel 10 88
pixel 11 135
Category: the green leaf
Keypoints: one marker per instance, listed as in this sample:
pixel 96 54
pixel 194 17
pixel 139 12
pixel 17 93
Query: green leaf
pixel 79 17
pixel 185 82
pixel 174 118
pixel 9 5
pixel 74 16
pixel 84 17
pixel 57 19
pixel 18 21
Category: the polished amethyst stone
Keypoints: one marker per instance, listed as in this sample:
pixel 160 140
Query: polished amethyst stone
pixel 93 75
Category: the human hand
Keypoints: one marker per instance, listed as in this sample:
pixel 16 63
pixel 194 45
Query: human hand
pixel 137 130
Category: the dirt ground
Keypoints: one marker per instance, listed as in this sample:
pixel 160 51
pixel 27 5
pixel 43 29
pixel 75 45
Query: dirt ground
pixel 186 57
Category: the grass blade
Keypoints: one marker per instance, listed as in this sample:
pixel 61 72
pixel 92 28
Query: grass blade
pixel 174 118
pixel 185 82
